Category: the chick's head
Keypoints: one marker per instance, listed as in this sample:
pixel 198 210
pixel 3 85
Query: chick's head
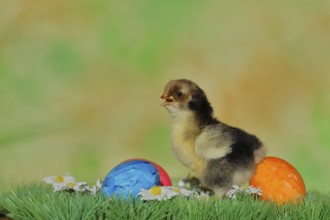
pixel 181 95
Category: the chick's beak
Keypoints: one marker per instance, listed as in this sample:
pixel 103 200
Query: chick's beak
pixel 167 100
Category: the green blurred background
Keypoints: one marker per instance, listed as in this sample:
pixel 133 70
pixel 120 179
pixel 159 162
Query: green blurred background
pixel 80 81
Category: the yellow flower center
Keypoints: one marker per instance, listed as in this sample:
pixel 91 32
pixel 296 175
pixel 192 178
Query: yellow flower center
pixel 59 179
pixel 176 190
pixel 155 190
pixel 70 185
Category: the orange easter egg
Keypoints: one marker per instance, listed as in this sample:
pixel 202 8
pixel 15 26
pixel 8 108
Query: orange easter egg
pixel 278 180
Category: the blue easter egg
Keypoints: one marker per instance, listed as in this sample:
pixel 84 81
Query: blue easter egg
pixel 128 178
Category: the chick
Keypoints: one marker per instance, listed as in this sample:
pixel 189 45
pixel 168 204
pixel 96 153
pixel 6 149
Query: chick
pixel 219 155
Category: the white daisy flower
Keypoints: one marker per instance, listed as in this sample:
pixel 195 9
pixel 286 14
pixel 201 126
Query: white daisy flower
pixel 182 191
pixel 58 187
pixel 232 193
pixel 157 193
pixel 244 189
pixel 96 188
pixel 79 187
pixel 253 190
pixel 163 193
pixel 71 186
pixel 68 183
pixel 59 182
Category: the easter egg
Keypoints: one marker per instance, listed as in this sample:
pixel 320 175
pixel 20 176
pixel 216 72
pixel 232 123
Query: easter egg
pixel 278 180
pixel 129 177
pixel 165 179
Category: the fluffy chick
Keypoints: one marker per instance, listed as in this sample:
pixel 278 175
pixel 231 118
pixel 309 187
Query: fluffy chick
pixel 218 154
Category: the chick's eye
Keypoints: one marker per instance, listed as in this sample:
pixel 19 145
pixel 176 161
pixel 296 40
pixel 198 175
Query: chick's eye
pixel 179 94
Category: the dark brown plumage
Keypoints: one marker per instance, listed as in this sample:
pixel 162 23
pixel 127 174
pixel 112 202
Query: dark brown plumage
pixel 220 155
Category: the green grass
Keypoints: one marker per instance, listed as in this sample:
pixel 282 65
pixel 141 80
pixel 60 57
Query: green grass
pixel 39 202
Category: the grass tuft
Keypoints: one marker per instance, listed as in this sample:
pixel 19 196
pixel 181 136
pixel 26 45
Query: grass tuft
pixel 38 201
